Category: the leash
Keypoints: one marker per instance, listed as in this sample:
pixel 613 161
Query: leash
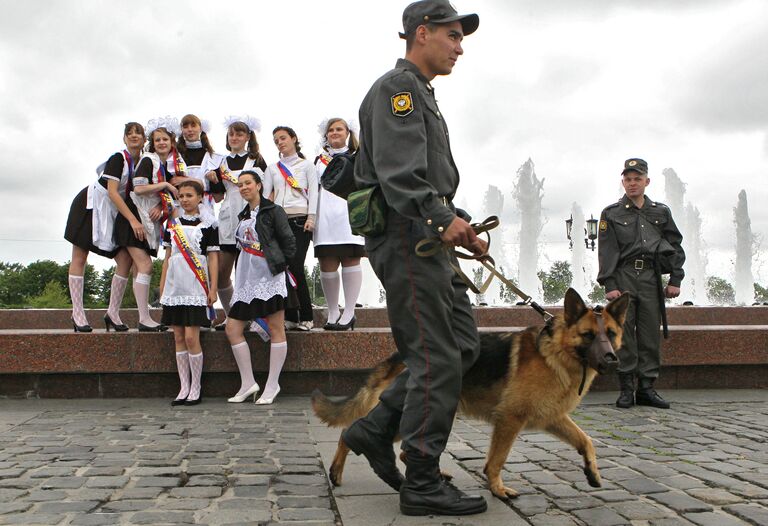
pixel 431 246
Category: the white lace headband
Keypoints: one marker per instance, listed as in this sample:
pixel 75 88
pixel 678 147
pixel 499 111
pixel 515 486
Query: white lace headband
pixel 169 123
pixel 253 123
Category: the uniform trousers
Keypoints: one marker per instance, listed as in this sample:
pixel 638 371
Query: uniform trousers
pixel 434 330
pixel 640 352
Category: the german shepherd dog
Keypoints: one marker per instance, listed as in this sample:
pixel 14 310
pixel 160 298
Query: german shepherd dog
pixel 526 380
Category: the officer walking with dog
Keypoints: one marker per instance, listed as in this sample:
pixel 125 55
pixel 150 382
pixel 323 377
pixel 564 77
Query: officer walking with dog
pixel 639 241
pixel 405 150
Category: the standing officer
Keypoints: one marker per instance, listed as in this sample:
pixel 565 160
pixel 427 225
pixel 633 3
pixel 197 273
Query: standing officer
pixel 633 232
pixel 404 149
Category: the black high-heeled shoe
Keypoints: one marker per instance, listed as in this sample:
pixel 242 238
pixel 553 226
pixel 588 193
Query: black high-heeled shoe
pixel 332 326
pixel 193 402
pixel 178 401
pixel 81 328
pixel 350 326
pixel 156 328
pixel 109 323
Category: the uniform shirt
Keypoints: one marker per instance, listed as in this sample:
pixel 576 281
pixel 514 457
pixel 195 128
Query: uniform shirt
pixel 627 233
pixel 404 147
pixel 116 169
pixel 295 201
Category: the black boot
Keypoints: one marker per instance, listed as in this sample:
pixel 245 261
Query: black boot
pixel 424 492
pixel 627 397
pixel 647 395
pixel 372 436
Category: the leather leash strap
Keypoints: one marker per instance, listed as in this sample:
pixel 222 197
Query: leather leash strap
pixel 431 246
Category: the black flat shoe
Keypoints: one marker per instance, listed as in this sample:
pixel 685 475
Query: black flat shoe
pixel 178 401
pixel 81 328
pixel 156 328
pixel 193 402
pixel 109 323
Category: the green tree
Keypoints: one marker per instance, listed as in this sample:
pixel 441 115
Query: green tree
pixel 761 293
pixel 53 296
pixel 598 294
pixel 506 295
pixel 556 281
pixel 720 291
pixel 315 285
pixel 11 286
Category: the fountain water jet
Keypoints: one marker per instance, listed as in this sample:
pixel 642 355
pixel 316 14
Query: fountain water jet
pixel 744 283
pixel 528 194
pixel 581 282
pixel 696 257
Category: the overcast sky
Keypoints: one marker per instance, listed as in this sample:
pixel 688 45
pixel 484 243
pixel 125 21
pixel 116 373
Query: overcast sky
pixel 576 86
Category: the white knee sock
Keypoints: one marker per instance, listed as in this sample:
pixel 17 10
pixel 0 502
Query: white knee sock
pixel 116 298
pixel 352 277
pixel 76 293
pixel 196 369
pixel 243 358
pixel 331 283
pixel 182 364
pixel 225 295
pixel 277 354
pixel 141 292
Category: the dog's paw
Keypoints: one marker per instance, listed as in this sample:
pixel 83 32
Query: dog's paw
pixel 504 492
pixel 593 478
pixel 335 477
pixel 446 475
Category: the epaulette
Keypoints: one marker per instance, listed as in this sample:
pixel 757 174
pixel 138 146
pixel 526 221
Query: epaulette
pixel 613 205
pixel 660 204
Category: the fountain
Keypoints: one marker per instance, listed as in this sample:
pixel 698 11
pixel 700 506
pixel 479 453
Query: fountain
pixel 744 283
pixel 581 281
pixel 528 194
pixel 696 257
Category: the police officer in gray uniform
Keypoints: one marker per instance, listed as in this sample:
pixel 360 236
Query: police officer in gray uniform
pixel 405 149
pixel 632 234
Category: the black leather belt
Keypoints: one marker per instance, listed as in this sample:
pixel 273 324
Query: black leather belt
pixel 638 264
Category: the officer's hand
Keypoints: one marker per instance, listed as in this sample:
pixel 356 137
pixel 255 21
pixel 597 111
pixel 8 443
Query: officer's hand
pixel 671 292
pixel 612 294
pixel 459 233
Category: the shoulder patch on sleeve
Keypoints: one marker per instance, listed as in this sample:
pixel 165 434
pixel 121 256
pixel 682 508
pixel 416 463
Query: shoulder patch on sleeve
pixel 603 225
pixel 402 104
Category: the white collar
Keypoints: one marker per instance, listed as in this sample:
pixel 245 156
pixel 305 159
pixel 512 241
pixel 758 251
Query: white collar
pixel 337 151
pixel 188 217
pixel 194 145
pixel 289 159
pixel 238 154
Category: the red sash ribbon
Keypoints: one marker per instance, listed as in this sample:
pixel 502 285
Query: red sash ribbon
pixel 191 258
pixel 290 179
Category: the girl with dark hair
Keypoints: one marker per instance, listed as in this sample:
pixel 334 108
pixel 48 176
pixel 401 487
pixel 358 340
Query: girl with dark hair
pixel 91 224
pixel 292 184
pixel 244 155
pixel 201 161
pixel 333 239
pixel 266 245
pixel 188 285
pixel 151 202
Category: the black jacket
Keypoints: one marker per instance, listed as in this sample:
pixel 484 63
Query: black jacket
pixel 275 235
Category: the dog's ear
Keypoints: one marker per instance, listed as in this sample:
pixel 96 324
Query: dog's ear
pixel 574 307
pixel 618 308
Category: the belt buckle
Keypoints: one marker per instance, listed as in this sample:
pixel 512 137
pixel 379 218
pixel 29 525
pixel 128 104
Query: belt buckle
pixel 444 200
pixel 639 263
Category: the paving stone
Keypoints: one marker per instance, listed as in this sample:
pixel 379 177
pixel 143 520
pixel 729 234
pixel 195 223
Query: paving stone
pixel 186 504
pixel 257 492
pixel 301 502
pixel 33 518
pixel 249 480
pixel 63 483
pixel 128 505
pixel 46 495
pixel 577 503
pixel 714 519
pixel 638 510
pixel 8 494
pixel 160 517
pixel 141 493
pixel 206 480
pixel 305 514
pixel 559 491
pixel 244 503
pixel 750 512
pixel 670 521
pixel 112 471
pixel 14 507
pixel 680 502
pixel 683 482
pixel 106 482
pixel 66 507
pixel 642 486
pixel 96 519
pixel 159 482
pixel 600 517
pixel 716 496
pixel 530 505
pixel 614 495
pixel 552 519
pixel 203 492
pixel 232 517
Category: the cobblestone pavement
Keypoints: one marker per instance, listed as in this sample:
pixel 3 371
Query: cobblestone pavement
pixel 82 462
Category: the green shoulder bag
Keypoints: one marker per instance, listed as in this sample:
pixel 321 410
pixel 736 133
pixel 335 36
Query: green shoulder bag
pixel 367 212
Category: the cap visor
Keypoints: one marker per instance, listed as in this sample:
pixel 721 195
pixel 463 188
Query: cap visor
pixel 469 23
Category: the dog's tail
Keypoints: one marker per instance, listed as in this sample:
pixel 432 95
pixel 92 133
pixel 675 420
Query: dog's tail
pixel 344 411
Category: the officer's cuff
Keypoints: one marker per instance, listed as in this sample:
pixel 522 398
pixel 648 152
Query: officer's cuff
pixel 436 215
pixel 461 213
pixel 610 284
pixel 675 282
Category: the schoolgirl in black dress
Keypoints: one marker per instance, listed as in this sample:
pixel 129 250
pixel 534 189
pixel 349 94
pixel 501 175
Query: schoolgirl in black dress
pixel 91 224
pixel 142 238
pixel 261 289
pixel 244 155
pixel 200 159
pixel 188 285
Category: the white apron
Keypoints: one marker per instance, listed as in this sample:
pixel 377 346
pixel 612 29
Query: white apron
pixel 233 204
